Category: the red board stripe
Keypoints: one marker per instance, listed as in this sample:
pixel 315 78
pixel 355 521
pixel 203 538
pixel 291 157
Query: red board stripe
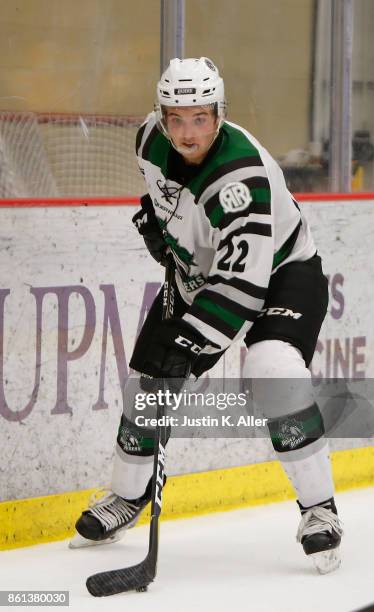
pixel 134 200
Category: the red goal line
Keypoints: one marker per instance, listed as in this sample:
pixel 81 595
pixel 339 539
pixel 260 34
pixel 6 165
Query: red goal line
pixel 134 200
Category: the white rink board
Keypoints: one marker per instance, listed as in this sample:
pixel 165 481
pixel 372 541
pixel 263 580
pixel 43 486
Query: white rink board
pixel 77 266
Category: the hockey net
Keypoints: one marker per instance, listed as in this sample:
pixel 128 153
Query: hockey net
pixel 48 155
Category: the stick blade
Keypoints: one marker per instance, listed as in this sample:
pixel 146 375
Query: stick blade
pixel 134 578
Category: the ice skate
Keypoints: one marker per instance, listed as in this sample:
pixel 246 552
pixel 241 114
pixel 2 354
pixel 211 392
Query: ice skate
pixel 107 519
pixel 320 532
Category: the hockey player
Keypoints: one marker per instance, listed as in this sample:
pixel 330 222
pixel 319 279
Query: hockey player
pixel 246 269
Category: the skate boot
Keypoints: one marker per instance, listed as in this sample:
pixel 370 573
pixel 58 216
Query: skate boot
pixel 320 533
pixel 107 519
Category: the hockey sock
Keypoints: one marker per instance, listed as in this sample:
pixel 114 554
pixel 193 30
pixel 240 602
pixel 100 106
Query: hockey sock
pixel 133 461
pixel 303 452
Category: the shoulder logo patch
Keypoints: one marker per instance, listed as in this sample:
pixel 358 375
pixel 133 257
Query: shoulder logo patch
pixel 234 197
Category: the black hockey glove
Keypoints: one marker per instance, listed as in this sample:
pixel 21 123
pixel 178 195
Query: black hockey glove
pixel 173 349
pixel 146 223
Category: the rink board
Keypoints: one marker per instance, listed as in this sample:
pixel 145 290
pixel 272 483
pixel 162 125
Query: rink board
pixel 76 284
pixel 50 518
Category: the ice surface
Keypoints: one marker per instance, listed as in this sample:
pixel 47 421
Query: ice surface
pixel 246 559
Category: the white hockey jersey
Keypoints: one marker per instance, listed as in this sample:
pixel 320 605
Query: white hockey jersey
pixel 230 224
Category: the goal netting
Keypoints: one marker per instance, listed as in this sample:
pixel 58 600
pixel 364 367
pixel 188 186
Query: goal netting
pixel 55 155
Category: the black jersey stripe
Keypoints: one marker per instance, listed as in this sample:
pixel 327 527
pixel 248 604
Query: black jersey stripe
pixel 244 286
pixel 255 208
pixel 222 220
pixel 248 314
pixel 252 227
pixel 147 145
pixel 139 137
pixel 213 321
pixel 230 166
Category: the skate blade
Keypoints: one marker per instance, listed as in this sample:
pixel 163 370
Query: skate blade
pixel 79 541
pixel 326 561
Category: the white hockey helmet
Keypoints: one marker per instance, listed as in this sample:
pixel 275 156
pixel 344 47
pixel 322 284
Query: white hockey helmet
pixel 190 82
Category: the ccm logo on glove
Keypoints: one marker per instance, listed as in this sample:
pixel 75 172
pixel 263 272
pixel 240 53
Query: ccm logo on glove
pixel 173 348
pixel 194 348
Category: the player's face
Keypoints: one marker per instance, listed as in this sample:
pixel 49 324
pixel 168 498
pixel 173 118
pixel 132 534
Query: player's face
pixel 192 130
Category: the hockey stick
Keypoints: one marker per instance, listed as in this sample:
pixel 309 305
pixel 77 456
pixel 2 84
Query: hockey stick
pixel 138 577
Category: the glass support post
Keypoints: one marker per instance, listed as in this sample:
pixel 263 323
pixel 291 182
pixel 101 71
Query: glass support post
pixel 341 96
pixel 172 31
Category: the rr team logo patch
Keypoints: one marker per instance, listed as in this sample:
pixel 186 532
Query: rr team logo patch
pixel 235 197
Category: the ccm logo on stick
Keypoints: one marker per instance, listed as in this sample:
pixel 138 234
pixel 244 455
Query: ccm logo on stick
pixel 160 475
pixel 194 348
pixel 283 312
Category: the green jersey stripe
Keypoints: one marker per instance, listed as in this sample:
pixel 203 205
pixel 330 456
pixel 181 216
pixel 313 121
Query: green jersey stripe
pixel 261 195
pixel 234 146
pixel 222 313
pixel 247 314
pixel 220 171
pixel 217 216
pixel 156 149
pixel 211 319
pixel 287 247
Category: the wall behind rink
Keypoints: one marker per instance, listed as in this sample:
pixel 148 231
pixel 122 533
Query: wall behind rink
pixel 76 284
